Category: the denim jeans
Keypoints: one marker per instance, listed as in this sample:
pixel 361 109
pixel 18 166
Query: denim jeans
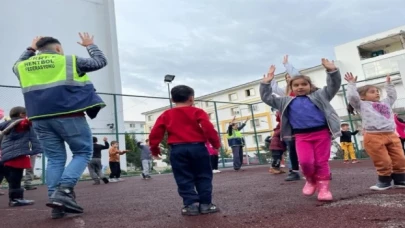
pixel 52 134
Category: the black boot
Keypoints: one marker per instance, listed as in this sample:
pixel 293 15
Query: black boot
pixel 17 198
pixel 293 176
pixel 384 183
pixel 399 180
pixel 64 198
pixel 57 213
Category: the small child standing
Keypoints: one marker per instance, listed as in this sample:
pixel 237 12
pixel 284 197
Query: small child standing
pixel 188 129
pixel 312 119
pixel 380 140
pixel 95 167
pixel 115 166
pixel 146 158
pixel 346 143
pixel 277 148
pixel 213 157
pixel 18 142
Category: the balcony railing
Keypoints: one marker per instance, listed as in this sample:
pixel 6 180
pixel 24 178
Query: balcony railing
pixel 381 65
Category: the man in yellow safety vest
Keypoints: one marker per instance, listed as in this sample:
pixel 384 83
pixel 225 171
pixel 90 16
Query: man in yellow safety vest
pixel 58 94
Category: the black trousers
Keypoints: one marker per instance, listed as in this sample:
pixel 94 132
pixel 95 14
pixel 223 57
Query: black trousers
pixel 214 161
pixel 115 169
pixel 13 177
pixel 293 155
pixel 1 172
pixel 276 157
pixel 192 172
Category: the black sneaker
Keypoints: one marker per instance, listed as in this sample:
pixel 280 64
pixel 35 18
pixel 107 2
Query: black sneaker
pixel 29 187
pixel 105 180
pixel 384 183
pixel 64 198
pixel 148 177
pixel 190 210
pixel 20 202
pixel 399 180
pixel 57 213
pixel 208 208
pixel 293 176
pixel 143 176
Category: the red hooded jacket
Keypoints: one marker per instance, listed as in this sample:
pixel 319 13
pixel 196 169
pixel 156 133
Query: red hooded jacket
pixel 276 143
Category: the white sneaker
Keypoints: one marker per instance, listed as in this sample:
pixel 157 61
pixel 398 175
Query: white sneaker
pixel 282 166
pixel 120 179
pixel 113 180
pixel 215 171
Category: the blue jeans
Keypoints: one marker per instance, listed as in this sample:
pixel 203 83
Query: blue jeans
pixel 52 134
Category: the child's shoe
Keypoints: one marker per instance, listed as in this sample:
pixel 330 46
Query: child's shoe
pixel 143 176
pixel 208 208
pixel 148 177
pixel 120 179
pixel 399 180
pixel 216 171
pixel 190 210
pixel 346 162
pixel 105 180
pixel 274 170
pixel 384 183
pixel 65 198
pixel 354 161
pixel 113 180
pixel 293 176
pixel 16 197
pixel 309 187
pixel 323 191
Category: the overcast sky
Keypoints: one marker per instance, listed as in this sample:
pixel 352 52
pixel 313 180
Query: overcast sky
pixel 215 44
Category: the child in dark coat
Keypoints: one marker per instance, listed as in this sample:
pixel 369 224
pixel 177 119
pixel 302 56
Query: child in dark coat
pixel 277 148
pixel 18 142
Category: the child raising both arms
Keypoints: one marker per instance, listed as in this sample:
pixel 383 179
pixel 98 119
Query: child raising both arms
pixel 380 141
pixel 310 117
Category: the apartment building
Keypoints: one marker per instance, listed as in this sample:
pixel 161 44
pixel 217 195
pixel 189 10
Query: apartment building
pixel 370 58
pixel 137 128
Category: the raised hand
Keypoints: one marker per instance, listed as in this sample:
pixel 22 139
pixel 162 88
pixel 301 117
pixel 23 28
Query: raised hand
pixel 87 40
pixel 270 74
pixel 329 65
pixel 388 78
pixel 350 78
pixel 34 42
pixel 285 59
pixel 105 139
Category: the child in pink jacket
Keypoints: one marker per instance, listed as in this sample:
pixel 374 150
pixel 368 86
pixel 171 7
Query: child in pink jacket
pixel 214 157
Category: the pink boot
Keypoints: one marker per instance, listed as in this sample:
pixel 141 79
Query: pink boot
pixel 323 191
pixel 309 187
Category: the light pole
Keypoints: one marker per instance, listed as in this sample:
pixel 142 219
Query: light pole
pixel 168 79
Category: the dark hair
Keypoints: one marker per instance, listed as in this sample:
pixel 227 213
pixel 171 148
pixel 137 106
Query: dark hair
pixel 362 92
pixel 44 42
pixel 181 93
pixel 94 139
pixel 147 140
pixel 306 78
pixel 17 111
pixel 113 142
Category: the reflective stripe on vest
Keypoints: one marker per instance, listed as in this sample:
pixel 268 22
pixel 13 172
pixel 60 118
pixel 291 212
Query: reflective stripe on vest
pixel 49 70
pixel 235 134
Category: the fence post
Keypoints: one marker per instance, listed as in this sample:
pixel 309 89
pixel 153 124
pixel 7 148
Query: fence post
pixel 219 134
pixel 255 132
pixel 116 118
pixel 351 122
pixel 43 169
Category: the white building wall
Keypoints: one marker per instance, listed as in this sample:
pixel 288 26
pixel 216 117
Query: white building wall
pixel 94 16
pixel 137 127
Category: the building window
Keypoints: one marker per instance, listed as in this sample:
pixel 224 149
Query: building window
pixel 233 97
pixel 132 125
pixel 235 111
pixel 150 118
pixel 255 107
pixel 258 137
pixel 250 92
pixel 256 123
pixel 209 104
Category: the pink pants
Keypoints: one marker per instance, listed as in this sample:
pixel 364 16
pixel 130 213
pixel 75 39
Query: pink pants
pixel 313 151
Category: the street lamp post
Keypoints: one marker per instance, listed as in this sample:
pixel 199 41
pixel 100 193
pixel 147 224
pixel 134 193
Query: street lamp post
pixel 168 79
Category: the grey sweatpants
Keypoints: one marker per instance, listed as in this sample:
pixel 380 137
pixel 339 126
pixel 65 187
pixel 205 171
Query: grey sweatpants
pixel 29 173
pixel 237 152
pixel 96 169
pixel 146 165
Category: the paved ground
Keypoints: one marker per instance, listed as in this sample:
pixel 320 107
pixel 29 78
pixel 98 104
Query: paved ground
pixel 250 198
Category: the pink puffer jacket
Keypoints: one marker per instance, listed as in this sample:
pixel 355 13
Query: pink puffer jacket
pixel 211 149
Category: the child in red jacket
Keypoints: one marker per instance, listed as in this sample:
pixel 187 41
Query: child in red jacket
pixel 188 129
pixel 277 148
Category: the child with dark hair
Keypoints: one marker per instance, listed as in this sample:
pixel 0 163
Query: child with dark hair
pixel 380 140
pixel 188 128
pixel 146 159
pixel 346 143
pixel 18 142
pixel 310 117
pixel 95 167
pixel 277 148
pixel 115 166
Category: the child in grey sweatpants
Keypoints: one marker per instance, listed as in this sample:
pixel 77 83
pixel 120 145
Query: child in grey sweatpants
pixel 146 158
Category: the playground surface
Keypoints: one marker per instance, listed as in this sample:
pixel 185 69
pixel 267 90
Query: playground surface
pixel 248 198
